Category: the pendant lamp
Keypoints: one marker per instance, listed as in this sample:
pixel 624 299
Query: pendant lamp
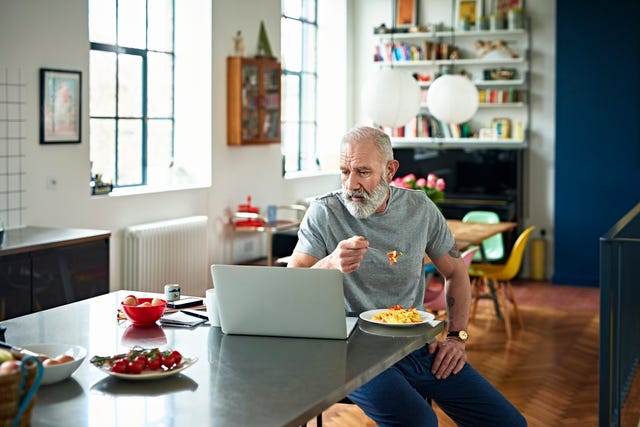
pixel 391 97
pixel 452 98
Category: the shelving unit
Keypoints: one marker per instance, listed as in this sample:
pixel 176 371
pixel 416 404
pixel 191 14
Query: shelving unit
pixel 505 99
pixel 253 101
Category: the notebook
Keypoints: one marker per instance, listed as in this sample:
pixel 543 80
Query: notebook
pixel 280 301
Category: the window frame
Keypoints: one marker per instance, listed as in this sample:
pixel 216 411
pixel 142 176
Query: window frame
pixel 143 54
pixel 300 164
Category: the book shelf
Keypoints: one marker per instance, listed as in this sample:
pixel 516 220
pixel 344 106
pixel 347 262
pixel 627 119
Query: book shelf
pixel 500 74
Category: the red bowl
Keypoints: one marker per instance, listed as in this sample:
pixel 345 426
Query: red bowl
pixel 144 315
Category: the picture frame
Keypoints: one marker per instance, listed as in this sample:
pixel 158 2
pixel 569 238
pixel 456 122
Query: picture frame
pixel 472 10
pixel 405 13
pixel 60 106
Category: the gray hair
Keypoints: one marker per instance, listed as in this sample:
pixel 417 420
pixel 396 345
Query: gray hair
pixel 367 133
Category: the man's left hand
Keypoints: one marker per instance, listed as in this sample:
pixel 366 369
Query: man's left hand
pixel 450 357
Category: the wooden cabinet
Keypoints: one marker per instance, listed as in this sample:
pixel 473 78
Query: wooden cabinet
pixel 253 101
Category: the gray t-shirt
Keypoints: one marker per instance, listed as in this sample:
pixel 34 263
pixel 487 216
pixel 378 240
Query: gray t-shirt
pixel 411 224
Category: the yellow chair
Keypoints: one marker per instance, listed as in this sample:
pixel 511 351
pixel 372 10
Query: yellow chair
pixel 493 281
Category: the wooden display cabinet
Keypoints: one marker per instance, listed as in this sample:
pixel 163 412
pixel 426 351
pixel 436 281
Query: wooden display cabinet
pixel 253 101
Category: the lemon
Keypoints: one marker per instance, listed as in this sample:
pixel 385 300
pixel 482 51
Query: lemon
pixel 5 355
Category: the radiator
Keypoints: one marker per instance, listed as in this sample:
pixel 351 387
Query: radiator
pixel 172 251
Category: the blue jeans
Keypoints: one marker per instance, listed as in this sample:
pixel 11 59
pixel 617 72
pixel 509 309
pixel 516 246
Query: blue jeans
pixel 397 397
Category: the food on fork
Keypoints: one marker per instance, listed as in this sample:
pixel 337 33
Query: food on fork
pixel 393 256
pixel 397 314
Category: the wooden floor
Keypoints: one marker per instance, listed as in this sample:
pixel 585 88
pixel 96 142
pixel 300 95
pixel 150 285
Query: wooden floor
pixel 549 370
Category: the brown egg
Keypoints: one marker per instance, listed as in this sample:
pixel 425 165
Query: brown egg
pixel 145 304
pixel 64 358
pixel 130 300
pixel 157 301
pixel 50 362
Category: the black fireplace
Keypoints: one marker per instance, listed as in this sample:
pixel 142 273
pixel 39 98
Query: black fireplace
pixel 476 179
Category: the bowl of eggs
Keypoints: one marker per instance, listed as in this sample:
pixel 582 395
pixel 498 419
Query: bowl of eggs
pixel 143 311
pixel 59 360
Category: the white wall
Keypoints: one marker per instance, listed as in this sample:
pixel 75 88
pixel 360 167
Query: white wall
pixel 364 15
pixel 54 34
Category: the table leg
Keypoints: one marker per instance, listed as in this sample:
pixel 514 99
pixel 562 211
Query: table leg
pixel 269 247
pixel 494 297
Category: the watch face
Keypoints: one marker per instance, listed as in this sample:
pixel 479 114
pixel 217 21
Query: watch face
pixel 463 335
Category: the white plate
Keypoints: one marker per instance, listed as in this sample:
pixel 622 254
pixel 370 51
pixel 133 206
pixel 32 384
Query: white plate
pixel 148 374
pixel 368 317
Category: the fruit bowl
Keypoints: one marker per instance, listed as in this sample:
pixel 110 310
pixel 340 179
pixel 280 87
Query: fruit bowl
pixel 145 315
pixel 56 373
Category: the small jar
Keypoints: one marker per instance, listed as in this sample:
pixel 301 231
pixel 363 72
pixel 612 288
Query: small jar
pixel 172 292
pixel 515 19
pixel 482 24
pixel 497 22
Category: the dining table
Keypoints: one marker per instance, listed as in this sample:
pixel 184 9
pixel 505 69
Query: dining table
pixel 467 234
pixel 234 380
pixel 474 233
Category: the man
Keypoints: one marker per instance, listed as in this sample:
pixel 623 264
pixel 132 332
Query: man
pixel 352 230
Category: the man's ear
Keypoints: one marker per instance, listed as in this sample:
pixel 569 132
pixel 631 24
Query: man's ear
pixel 392 168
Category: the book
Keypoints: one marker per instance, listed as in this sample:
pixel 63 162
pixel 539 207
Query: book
pixel 184 318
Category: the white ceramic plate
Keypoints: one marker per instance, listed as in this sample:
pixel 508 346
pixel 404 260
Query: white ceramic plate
pixel 368 317
pixel 148 374
pixel 57 373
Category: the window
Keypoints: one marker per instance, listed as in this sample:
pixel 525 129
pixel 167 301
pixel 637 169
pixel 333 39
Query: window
pixel 314 107
pixel 131 107
pixel 299 83
pixel 142 106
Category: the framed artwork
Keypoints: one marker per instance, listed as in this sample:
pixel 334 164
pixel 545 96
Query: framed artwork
pixel 60 106
pixel 467 14
pixel 405 13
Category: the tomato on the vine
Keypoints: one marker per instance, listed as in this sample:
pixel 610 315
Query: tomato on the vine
pixel 120 366
pixel 175 357
pixel 142 360
pixel 171 358
pixel 154 362
pixel 139 359
pixel 136 367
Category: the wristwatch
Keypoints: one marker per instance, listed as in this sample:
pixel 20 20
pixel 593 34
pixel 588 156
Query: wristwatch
pixel 461 335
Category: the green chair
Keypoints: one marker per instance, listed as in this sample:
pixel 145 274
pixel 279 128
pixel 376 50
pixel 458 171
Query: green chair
pixel 493 247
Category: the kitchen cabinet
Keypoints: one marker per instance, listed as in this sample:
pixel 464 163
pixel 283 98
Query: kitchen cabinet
pixel 42 268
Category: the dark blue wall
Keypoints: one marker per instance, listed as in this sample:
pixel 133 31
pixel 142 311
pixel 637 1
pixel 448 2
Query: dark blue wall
pixel 597 143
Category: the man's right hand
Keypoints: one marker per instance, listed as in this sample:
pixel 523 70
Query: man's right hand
pixel 348 254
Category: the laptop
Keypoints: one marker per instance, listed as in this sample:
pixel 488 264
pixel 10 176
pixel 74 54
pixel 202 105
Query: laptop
pixel 281 301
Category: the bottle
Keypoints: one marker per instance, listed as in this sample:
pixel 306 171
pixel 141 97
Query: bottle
pixel 538 256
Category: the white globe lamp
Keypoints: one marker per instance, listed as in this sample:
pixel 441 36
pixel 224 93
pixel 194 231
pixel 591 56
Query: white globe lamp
pixel 391 97
pixel 452 98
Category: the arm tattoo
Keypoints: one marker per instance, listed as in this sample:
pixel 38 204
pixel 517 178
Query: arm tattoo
pixel 450 301
pixel 454 252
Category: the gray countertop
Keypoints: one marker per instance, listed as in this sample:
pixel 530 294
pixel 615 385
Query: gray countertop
pixel 27 239
pixel 237 380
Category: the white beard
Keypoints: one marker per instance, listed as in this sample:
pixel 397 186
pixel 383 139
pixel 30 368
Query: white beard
pixel 367 207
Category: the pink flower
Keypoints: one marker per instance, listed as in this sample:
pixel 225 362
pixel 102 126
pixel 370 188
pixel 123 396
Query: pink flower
pixel 440 184
pixel 421 182
pixel 431 180
pixel 408 178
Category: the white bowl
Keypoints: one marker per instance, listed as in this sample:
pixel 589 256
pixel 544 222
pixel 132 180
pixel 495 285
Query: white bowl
pixel 57 373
